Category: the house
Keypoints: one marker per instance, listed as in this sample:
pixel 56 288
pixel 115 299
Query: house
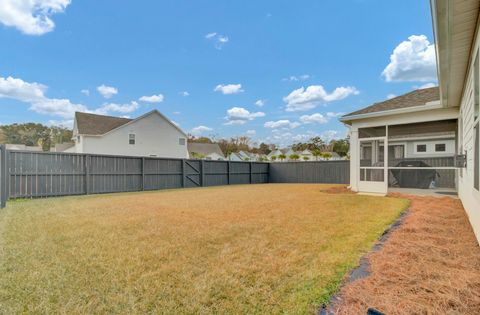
pixel 235 156
pixel 276 153
pixel 207 151
pixel 151 134
pixel 332 156
pixel 414 136
pixel 245 156
pixel 22 147
pixel 306 155
pixel 63 147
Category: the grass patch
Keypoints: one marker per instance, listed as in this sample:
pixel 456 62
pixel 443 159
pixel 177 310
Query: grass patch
pixel 237 249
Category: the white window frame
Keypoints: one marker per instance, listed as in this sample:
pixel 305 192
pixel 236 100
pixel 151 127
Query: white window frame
pixel 130 138
pixel 416 144
pixel 444 147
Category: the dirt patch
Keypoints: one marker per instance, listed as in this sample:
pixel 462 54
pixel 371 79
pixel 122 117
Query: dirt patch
pixel 430 265
pixel 338 190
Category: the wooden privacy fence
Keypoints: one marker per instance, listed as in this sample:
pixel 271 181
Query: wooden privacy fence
pixel 328 172
pixel 44 174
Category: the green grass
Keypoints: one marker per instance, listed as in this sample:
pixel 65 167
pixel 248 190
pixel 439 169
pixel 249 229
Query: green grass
pixel 240 249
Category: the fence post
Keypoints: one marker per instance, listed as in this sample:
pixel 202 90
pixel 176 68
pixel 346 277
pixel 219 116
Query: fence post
pixel 184 173
pixel 250 177
pixel 3 176
pixel 143 173
pixel 202 173
pixel 228 172
pixel 87 174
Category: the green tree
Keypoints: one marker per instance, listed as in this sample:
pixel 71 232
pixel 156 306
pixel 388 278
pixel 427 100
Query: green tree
pixel 32 134
pixel 326 155
pixel 294 157
pixel 316 153
pixel 306 158
pixel 273 158
pixel 341 146
pixel 282 157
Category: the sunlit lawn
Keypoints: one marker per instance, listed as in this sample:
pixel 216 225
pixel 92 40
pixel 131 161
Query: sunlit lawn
pixel 240 249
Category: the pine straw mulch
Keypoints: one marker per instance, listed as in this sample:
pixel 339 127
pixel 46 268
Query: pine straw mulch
pixel 430 265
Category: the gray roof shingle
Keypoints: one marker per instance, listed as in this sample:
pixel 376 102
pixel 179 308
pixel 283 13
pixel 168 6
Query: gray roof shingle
pixel 204 148
pixel 93 124
pixel 411 99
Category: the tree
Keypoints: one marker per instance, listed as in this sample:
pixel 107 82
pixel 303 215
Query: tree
pixel 294 157
pixel 316 153
pixel 341 146
pixel 273 158
pixel 199 139
pixel 282 157
pixel 32 134
pixel 326 155
pixel 306 158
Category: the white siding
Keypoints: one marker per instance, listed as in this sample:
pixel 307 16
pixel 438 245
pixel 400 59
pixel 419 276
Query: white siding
pixel 468 194
pixel 154 136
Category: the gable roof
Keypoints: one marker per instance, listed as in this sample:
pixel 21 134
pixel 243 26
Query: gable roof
pixel 97 125
pixel 412 99
pixel 93 124
pixel 204 148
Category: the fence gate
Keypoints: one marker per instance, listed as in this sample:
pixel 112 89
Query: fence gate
pixel 192 173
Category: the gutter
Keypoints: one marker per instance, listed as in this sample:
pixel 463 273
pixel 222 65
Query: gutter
pixel 413 109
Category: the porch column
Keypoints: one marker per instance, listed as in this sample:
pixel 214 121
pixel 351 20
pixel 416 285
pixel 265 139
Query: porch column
pixel 354 158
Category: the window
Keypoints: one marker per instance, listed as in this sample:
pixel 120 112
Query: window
pixel 440 147
pixel 78 139
pixel 131 138
pixel 421 148
pixel 181 141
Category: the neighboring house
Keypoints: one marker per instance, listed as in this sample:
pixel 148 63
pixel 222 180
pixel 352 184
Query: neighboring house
pixel 306 153
pixel 245 156
pixel 275 153
pixel 63 147
pixel 207 151
pixel 151 134
pixel 333 156
pixel 22 147
pixel 235 156
pixel 425 120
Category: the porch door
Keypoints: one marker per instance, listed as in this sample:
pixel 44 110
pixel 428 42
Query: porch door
pixel 373 171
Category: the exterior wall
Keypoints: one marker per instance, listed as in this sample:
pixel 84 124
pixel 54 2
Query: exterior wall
pixel 468 194
pixel 154 136
pixel 411 145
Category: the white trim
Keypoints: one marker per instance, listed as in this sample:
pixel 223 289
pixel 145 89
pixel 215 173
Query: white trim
pixel 413 109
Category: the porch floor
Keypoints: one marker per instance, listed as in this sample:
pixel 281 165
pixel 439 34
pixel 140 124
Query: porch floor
pixel 437 192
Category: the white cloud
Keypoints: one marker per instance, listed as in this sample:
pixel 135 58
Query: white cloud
pixel 316 118
pixel 117 108
pixel 85 92
pixel 390 96
pixel 153 98
pixel 251 132
pixel 281 124
pixel 31 17
pixel 334 115
pixel 304 99
pixel 329 135
pixel 217 39
pixel 200 129
pixel 184 93
pixel 107 91
pixel 425 86
pixel 176 113
pixel 34 94
pixel 239 116
pixel 296 78
pixel 260 103
pixel 412 60
pixel 228 88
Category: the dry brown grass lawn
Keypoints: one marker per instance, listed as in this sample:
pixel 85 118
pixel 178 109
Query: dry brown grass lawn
pixel 239 249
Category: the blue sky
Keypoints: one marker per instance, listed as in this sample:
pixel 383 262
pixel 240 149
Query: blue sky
pixel 278 71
